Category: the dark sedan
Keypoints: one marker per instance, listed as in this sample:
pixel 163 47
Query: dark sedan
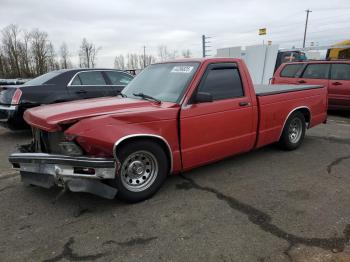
pixel 58 86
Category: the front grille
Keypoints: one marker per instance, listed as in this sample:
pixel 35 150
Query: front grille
pixel 46 142
pixel 37 140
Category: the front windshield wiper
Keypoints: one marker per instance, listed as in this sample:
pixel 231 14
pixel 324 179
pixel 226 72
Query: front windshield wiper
pixel 147 97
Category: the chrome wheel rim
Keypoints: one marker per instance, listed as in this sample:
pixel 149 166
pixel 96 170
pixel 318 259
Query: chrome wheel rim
pixel 139 170
pixel 295 130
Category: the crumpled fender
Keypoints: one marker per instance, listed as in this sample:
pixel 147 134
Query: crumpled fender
pixel 98 135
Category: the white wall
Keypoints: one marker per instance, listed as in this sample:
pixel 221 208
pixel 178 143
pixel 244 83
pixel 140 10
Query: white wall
pixel 260 59
pixel 270 63
pixel 235 52
pixel 255 60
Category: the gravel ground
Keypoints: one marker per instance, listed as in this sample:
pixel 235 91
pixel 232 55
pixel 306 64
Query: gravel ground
pixel 267 205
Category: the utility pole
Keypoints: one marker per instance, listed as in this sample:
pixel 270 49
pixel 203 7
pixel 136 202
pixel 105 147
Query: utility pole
pixel 307 20
pixel 204 45
pixel 144 56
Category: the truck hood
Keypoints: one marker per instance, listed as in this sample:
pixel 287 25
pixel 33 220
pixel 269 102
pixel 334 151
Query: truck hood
pixel 50 117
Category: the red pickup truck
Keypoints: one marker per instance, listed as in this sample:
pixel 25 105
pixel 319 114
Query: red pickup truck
pixel 335 75
pixel 172 117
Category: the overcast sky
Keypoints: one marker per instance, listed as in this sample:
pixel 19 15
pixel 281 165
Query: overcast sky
pixel 125 26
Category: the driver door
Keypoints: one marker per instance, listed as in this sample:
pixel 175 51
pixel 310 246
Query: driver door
pixel 210 131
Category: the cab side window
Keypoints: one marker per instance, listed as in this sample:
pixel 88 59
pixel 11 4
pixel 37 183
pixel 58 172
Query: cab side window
pixel 223 83
pixel 340 72
pixel 316 71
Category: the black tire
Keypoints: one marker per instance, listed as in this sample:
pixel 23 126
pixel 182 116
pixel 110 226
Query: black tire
pixel 286 141
pixel 160 159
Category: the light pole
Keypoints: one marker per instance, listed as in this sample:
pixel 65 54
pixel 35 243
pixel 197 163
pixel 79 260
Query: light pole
pixel 307 20
pixel 205 46
pixel 144 56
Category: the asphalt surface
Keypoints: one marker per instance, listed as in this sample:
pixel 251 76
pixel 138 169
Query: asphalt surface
pixel 267 205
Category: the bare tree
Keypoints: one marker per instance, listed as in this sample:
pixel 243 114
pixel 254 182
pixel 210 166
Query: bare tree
pixel 10 41
pixel 164 54
pixel 65 56
pixel 52 63
pixel 3 65
pixel 146 60
pixel 40 46
pixel 25 55
pixel 133 61
pixel 186 53
pixel 88 54
pixel 119 62
pixel 173 54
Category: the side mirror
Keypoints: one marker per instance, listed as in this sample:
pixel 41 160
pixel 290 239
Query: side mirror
pixel 202 97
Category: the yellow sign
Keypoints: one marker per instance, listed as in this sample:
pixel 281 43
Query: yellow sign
pixel 262 31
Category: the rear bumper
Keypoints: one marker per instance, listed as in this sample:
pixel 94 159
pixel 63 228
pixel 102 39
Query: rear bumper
pixel 79 174
pixel 6 113
pixel 12 117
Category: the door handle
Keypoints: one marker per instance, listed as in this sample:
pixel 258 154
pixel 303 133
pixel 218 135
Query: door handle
pixel 81 92
pixel 301 81
pixel 336 83
pixel 244 104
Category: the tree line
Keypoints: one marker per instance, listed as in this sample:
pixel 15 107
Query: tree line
pixel 140 61
pixel 27 54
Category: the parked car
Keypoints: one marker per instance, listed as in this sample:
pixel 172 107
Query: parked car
pixel 58 86
pixel 335 75
pixel 172 117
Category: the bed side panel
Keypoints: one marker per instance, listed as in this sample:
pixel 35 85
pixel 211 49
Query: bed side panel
pixel 274 110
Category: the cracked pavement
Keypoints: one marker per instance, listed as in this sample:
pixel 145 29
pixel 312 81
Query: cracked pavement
pixel 267 205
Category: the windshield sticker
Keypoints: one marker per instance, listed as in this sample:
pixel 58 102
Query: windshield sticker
pixel 182 69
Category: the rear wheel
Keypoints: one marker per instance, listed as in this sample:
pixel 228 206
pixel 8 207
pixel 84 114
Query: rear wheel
pixel 294 132
pixel 144 167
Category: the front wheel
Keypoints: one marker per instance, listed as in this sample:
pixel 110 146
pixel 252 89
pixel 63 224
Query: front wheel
pixel 144 167
pixel 294 132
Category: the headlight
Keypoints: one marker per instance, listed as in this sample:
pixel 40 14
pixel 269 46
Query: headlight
pixel 70 148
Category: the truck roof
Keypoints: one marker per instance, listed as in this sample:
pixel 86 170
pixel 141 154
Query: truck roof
pixel 319 62
pixel 201 60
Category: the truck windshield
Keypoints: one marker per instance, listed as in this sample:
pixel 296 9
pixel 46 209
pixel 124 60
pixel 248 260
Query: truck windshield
pixel 165 82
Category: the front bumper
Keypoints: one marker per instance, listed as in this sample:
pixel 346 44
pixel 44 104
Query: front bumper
pixel 79 174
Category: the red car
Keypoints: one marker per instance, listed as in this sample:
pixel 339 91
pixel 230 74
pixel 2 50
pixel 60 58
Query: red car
pixel 335 75
pixel 174 116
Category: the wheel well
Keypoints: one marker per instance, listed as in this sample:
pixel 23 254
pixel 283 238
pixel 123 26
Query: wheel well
pixel 154 139
pixel 307 115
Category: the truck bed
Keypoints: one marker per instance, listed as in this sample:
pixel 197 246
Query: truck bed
pixel 264 90
pixel 276 102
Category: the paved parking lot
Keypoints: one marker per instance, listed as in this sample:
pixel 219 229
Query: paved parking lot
pixel 268 205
